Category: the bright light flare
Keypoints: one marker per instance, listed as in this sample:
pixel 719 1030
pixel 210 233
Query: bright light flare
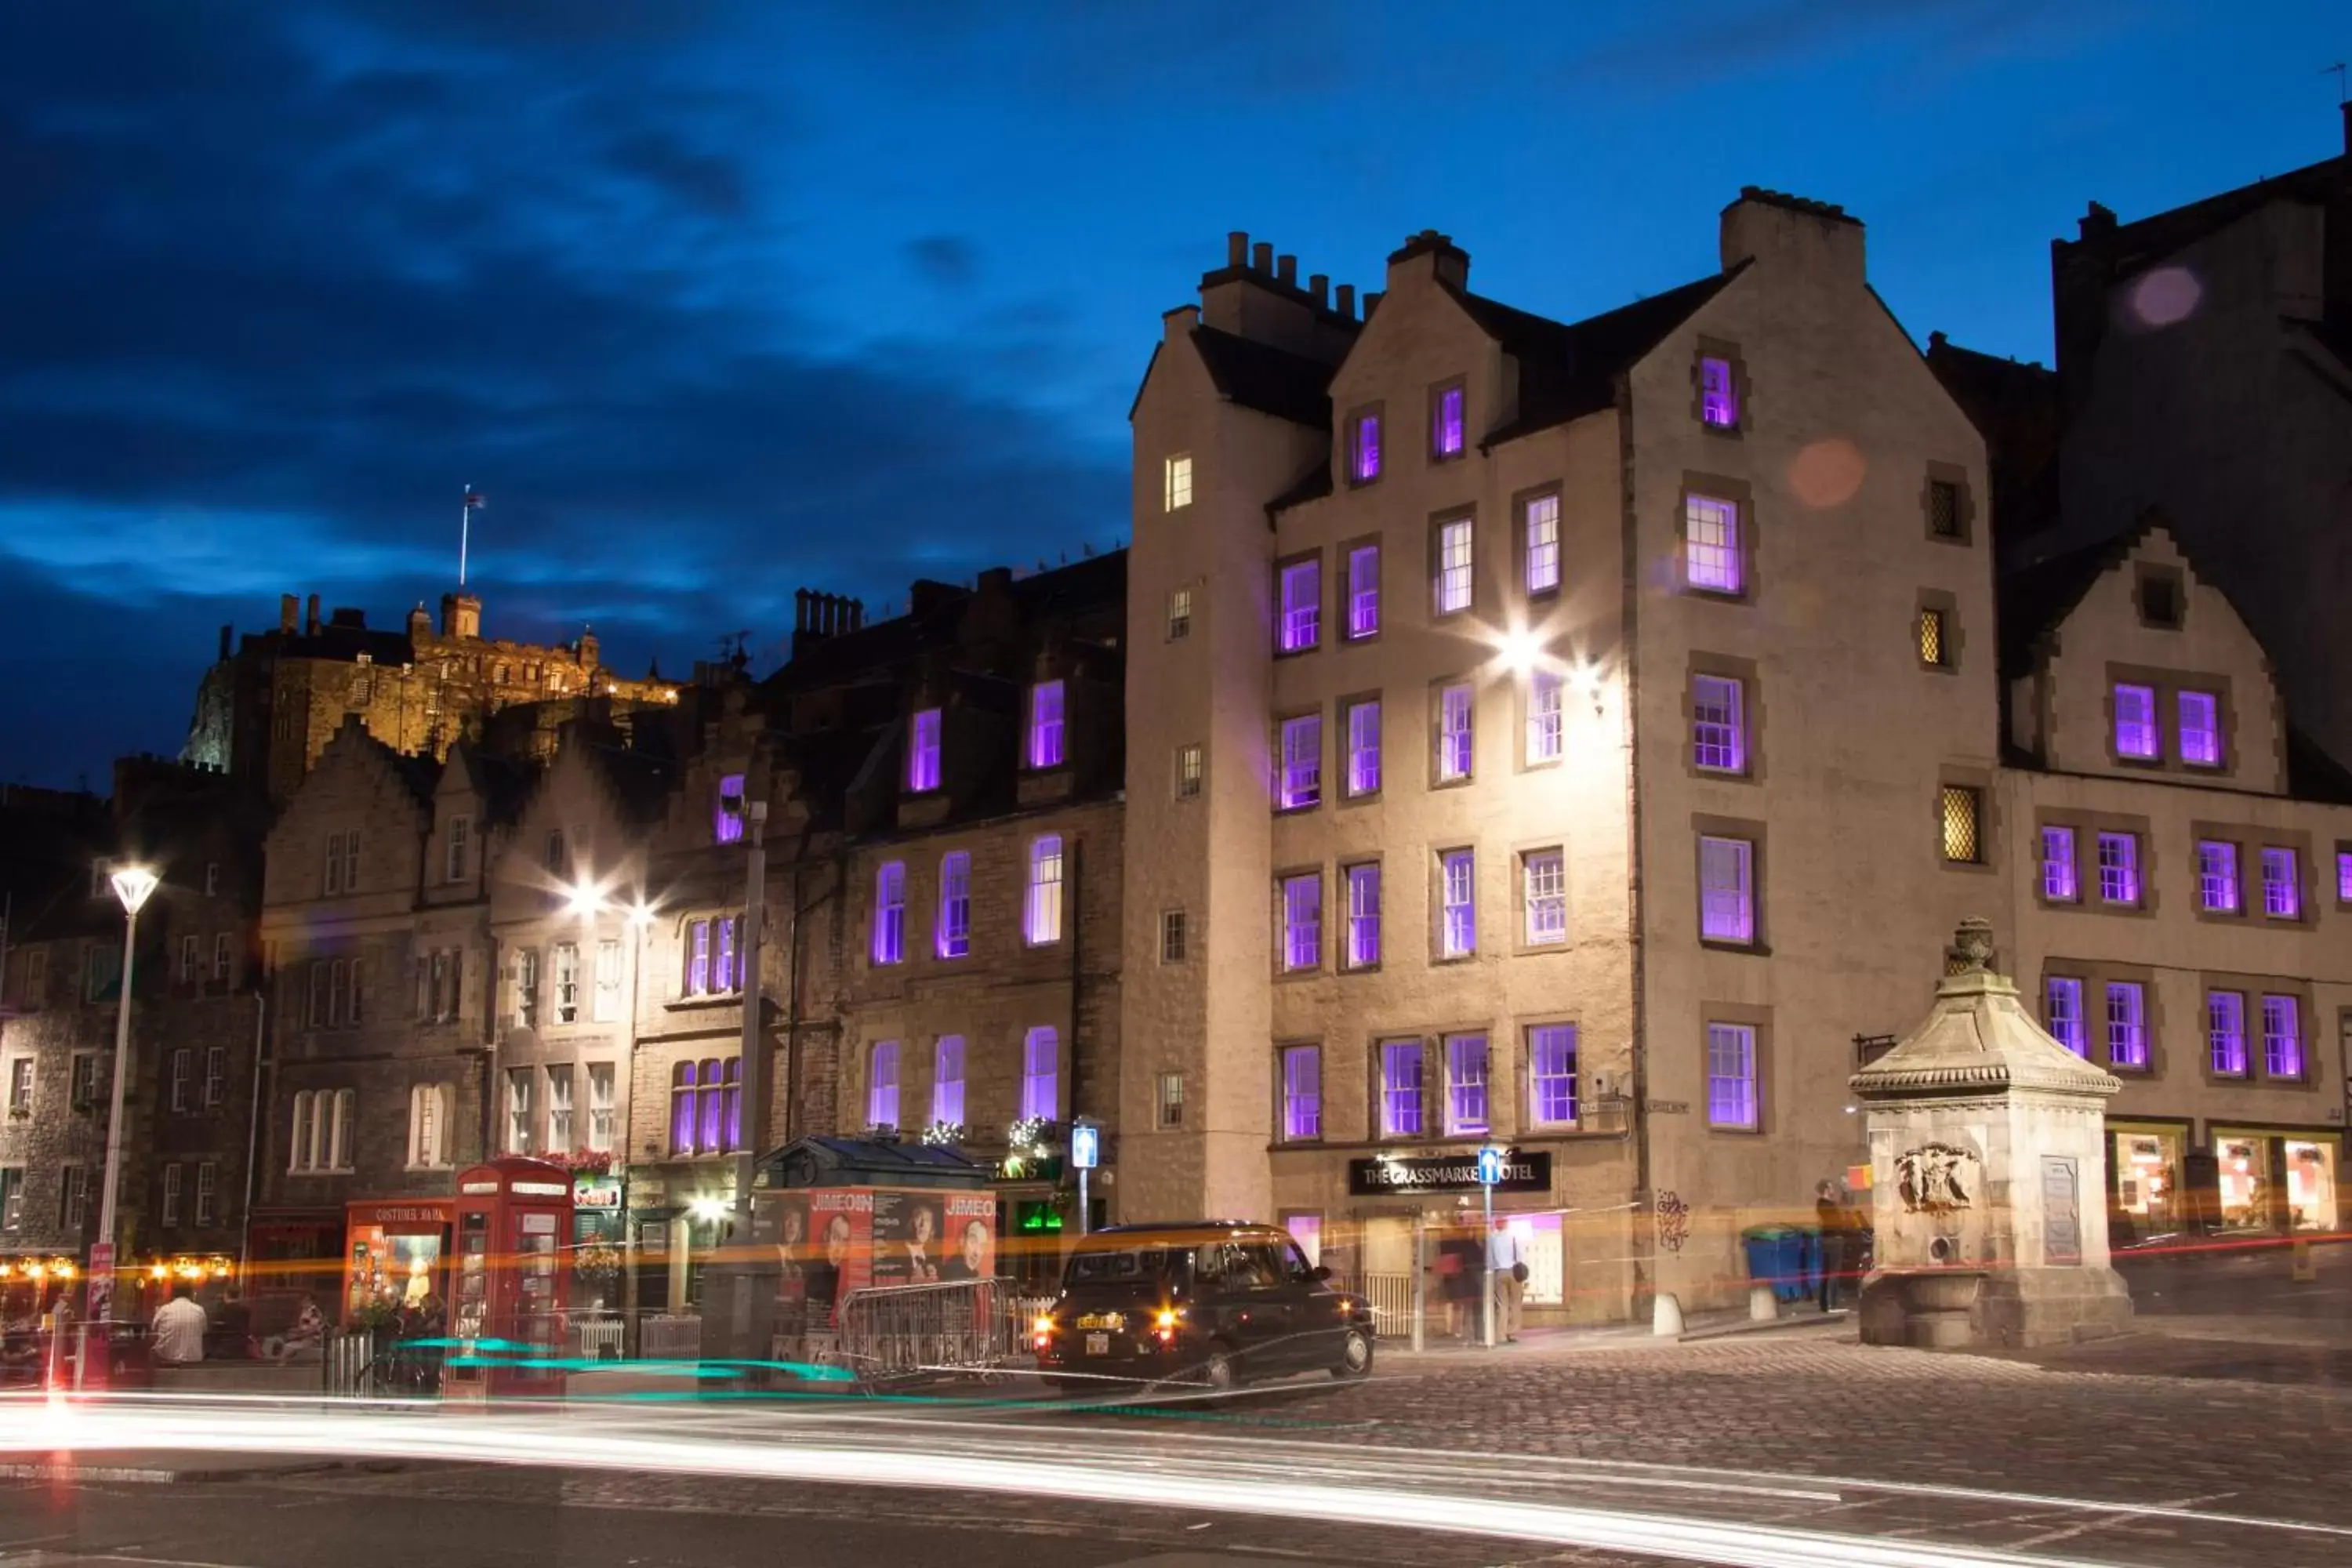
pixel 641 914
pixel 133 884
pixel 1519 650
pixel 583 898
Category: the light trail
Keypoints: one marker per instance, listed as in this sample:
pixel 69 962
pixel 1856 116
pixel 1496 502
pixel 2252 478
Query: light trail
pixel 554 1442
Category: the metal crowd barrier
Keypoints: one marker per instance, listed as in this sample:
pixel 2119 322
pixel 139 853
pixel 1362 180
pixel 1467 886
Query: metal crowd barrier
pixel 895 1332
pixel 596 1339
pixel 668 1338
pixel 347 1362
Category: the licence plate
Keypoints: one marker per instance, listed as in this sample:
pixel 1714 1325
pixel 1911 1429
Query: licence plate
pixel 1098 1344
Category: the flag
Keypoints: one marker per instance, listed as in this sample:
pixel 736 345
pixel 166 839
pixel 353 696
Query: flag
pixel 474 501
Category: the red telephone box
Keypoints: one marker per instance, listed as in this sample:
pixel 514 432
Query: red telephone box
pixel 511 1285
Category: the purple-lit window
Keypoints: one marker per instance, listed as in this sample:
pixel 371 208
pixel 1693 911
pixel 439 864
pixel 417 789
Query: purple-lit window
pixel 2127 1024
pixel 1041 916
pixel 1302 607
pixel 1726 890
pixel 2063 1008
pixel 2217 876
pixel 947 1080
pixel 2200 729
pixel 734 1105
pixel 1363 590
pixel 726 817
pixel 1046 725
pixel 2282 884
pixel 1041 1074
pixel 1454 736
pixel 2118 869
pixel 2344 875
pixel 1543 874
pixel 2059 881
pixel 1718 724
pixel 2282 1037
pixel 1446 423
pixel 890 912
pixel 2135 723
pixel 1302 922
pixel 1719 399
pixel 1451 585
pixel 697 959
pixel 1540 520
pixel 1364 747
pixel 1731 1075
pixel 882 1085
pixel 953 938
pixel 1400 1096
pixel 1302 1092
pixel 1711 544
pixel 1466 1084
pixel 1547 729
pixel 711 1119
pixel 2225 1031
pixel 1457 923
pixel 923 751
pixel 681 1108
pixel 723 963
pixel 1364 448
pixel 1551 1075
pixel 1301 781
pixel 1363 915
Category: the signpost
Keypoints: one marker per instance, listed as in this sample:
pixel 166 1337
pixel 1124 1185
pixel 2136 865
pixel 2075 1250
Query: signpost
pixel 1086 1153
pixel 101 1280
pixel 1490 1173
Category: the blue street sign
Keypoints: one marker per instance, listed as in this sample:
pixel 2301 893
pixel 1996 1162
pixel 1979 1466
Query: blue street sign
pixel 1086 1146
pixel 1490 1166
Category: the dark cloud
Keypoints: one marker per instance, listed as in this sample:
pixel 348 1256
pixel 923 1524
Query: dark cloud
pixel 275 292
pixel 945 261
pixel 1673 49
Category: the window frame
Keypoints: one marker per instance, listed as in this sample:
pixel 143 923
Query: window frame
pixel 2131 866
pixel 1736 554
pixel 1744 848
pixel 1446 770
pixel 1175 477
pixel 1298 603
pixel 2110 989
pixel 1747 1039
pixel 1524 508
pixel 1460 1051
pixel 1175 937
pixel 2068 1026
pixel 1291 1099
pixel 1532 936
pixel 952 934
pixel 1355 625
pixel 1354 467
pixel 1443 572
pixel 1298 922
pixel 882 1080
pixel 1042 727
pixel 1978 850
pixel 1044 917
pixel 1350 784
pixel 1705 730
pixel 1544 737
pixel 1533 1046
pixel 1298 761
pixel 1355 875
pixel 951 1068
pixel 1457 389
pixel 1393 1099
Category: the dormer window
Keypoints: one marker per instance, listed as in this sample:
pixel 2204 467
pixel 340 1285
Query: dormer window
pixel 1718 397
pixel 1364 447
pixel 923 751
pixel 1446 422
pixel 727 817
pixel 1045 724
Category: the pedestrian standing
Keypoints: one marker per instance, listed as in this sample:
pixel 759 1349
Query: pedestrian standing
pixel 180 1326
pixel 1510 1274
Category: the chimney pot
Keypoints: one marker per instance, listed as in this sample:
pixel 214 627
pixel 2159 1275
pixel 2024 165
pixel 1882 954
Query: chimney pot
pixel 1348 301
pixel 311 616
pixel 1286 268
pixel 1261 256
pixel 227 632
pixel 289 611
pixel 1319 284
pixel 1237 248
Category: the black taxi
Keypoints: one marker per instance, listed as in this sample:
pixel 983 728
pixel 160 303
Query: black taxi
pixel 1210 1301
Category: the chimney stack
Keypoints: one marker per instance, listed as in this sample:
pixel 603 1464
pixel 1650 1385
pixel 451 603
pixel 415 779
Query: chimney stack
pixel 1237 248
pixel 1286 269
pixel 290 612
pixel 1261 256
pixel 1320 286
pixel 227 632
pixel 1347 305
pixel 311 617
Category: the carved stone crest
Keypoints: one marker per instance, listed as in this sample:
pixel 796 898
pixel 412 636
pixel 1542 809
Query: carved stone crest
pixel 1936 1178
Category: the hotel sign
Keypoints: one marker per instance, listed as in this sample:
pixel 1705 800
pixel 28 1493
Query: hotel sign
pixel 1408 1175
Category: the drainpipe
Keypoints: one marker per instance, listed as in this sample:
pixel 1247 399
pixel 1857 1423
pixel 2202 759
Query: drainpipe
pixel 253 1136
pixel 1070 913
pixel 1644 1237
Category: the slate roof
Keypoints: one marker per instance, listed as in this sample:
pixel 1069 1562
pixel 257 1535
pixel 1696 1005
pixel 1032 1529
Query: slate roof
pixel 1570 369
pixel 2032 601
pixel 1268 378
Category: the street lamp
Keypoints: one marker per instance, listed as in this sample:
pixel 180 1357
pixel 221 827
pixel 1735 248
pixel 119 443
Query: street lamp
pixel 133 885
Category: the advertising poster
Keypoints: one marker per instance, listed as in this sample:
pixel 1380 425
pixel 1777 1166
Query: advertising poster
pixel 841 1228
pixel 906 1238
pixel 968 1236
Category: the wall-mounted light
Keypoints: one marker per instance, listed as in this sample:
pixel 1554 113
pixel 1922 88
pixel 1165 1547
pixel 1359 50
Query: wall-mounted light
pixel 1518 651
pixel 641 914
pixel 709 1209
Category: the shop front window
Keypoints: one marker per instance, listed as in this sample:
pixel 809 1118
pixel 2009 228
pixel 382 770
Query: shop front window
pixel 2311 1184
pixel 2244 1167
pixel 2146 1180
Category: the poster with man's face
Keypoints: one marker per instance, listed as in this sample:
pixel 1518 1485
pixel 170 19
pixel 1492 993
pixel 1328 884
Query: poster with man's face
pixel 969 1236
pixel 906 1238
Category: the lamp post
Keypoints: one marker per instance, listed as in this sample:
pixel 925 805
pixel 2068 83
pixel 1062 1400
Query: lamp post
pixel 133 884
pixel 1490 1171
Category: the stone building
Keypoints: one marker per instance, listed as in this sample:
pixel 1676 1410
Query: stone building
pixel 196 1018
pixel 1506 784
pixel 268 707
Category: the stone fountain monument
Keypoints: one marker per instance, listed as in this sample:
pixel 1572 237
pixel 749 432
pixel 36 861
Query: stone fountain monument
pixel 1987 1144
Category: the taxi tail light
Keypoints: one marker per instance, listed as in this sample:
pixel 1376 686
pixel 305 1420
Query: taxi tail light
pixel 1041 1333
pixel 1163 1326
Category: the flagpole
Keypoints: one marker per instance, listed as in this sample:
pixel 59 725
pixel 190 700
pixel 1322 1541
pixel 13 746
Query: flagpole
pixel 465 529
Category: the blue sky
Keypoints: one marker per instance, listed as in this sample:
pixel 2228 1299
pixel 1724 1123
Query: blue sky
pixel 717 298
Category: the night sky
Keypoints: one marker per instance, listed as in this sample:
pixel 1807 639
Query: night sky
pixel 718 300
